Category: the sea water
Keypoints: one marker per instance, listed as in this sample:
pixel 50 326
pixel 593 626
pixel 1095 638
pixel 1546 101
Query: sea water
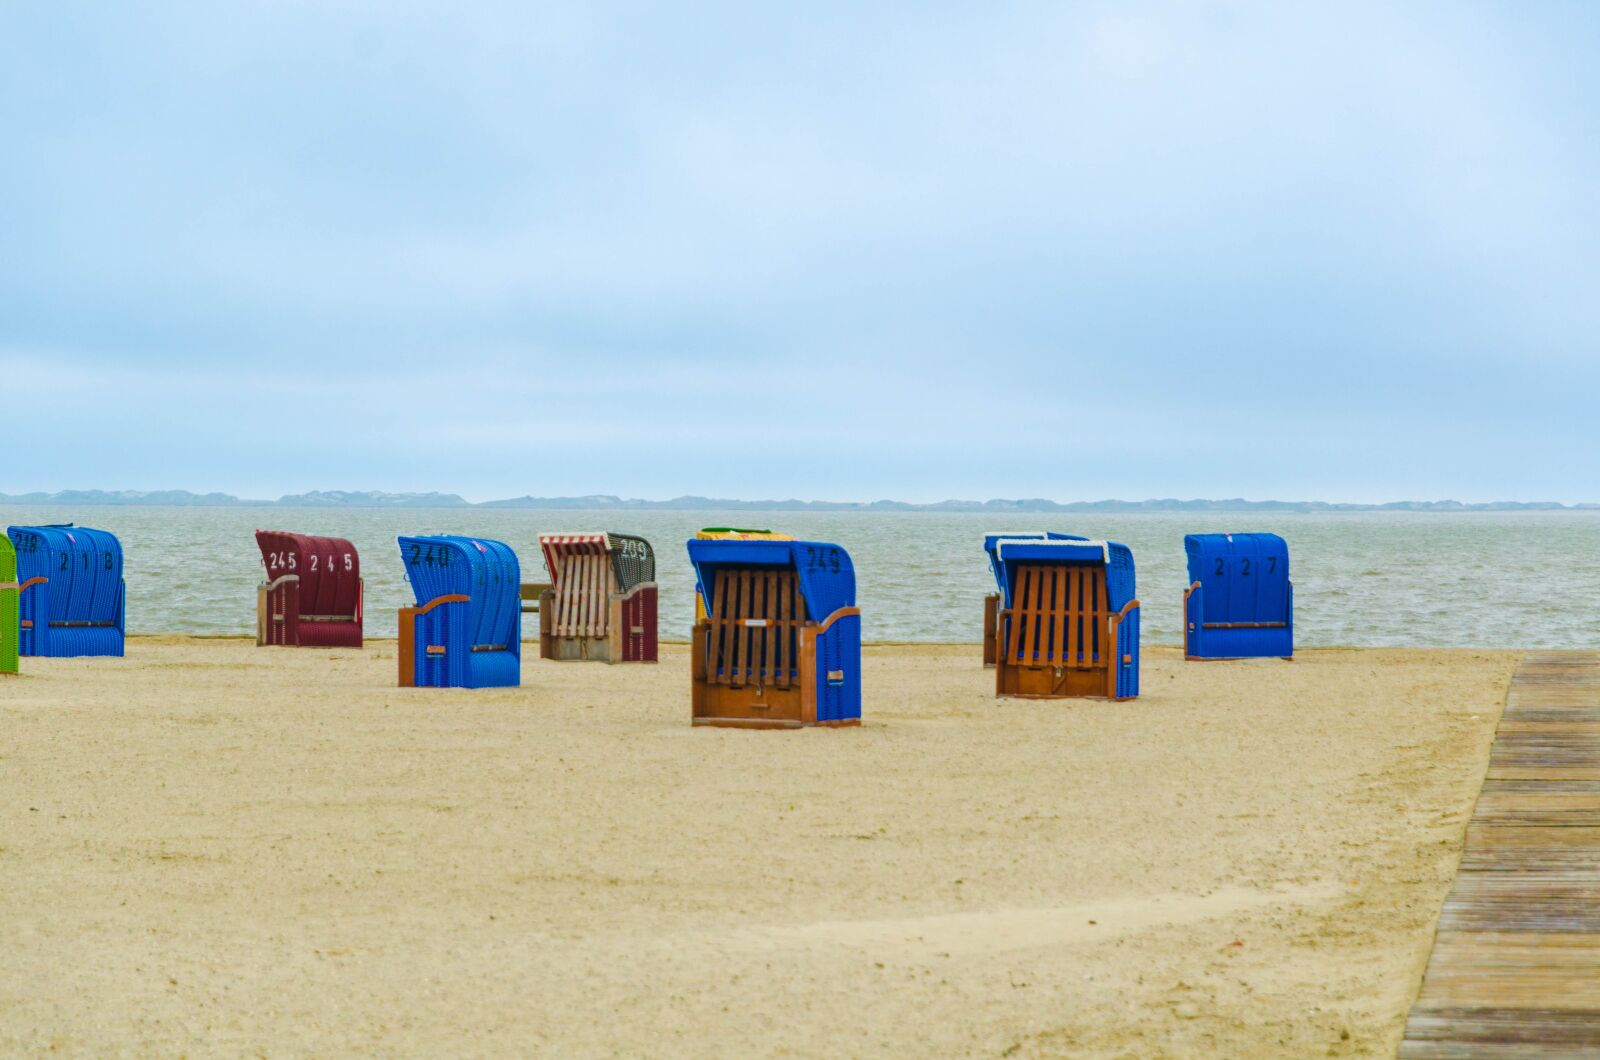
pixel 1366 579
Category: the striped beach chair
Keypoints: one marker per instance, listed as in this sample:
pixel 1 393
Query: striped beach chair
pixel 602 599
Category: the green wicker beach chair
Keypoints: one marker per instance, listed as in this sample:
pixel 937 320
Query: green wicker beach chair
pixel 10 610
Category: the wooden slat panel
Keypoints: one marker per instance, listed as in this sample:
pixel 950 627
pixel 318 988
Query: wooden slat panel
pixel 1101 612
pixel 574 596
pixel 1027 611
pixel 1093 611
pixel 591 597
pixel 585 596
pixel 1074 618
pixel 719 646
pixel 764 638
pixel 581 623
pixel 563 617
pixel 764 635
pixel 798 618
pixel 1018 620
pixel 1057 618
pixel 1515 968
pixel 785 614
pixel 741 632
pixel 556 606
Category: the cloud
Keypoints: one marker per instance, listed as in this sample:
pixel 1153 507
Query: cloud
pixel 1031 249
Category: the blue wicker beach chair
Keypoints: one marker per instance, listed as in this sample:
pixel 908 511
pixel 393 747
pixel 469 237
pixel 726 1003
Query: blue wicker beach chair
pixel 780 644
pixel 1240 602
pixel 466 629
pixel 1068 623
pixel 73 600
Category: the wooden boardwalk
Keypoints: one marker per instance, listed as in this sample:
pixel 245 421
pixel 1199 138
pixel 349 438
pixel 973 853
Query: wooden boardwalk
pixel 1515 970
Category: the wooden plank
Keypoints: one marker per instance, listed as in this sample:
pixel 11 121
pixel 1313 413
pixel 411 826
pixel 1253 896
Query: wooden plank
pixel 1533 715
pixel 590 598
pixel 785 612
pixel 1020 623
pixel 603 576
pixel 558 605
pixel 571 613
pixel 1099 610
pixel 776 607
pixel 1027 610
pixel 1058 619
pixel 1073 643
pixel 797 620
pixel 1446 1031
pixel 741 587
pixel 1515 967
pixel 574 608
pixel 763 661
pixel 719 628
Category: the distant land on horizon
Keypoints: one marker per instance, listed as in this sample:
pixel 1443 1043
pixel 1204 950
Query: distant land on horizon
pixel 603 502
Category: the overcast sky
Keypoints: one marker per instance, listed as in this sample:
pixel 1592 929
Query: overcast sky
pixel 843 251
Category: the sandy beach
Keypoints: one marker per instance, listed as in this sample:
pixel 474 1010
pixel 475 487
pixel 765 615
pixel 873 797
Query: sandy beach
pixel 214 849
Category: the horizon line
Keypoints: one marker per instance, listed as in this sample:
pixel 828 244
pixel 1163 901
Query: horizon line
pixel 689 502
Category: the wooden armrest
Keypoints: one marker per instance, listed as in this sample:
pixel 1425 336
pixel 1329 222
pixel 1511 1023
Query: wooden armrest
pixel 843 612
pixel 280 580
pixel 448 598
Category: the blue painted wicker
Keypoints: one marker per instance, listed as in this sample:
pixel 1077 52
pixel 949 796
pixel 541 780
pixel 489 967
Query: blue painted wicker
pixel 1240 601
pixel 75 600
pixel 471 643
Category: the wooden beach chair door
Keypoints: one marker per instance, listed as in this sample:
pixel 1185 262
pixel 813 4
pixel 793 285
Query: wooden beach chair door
pixel 583 596
pixel 283 610
pixel 1055 640
pixel 748 665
